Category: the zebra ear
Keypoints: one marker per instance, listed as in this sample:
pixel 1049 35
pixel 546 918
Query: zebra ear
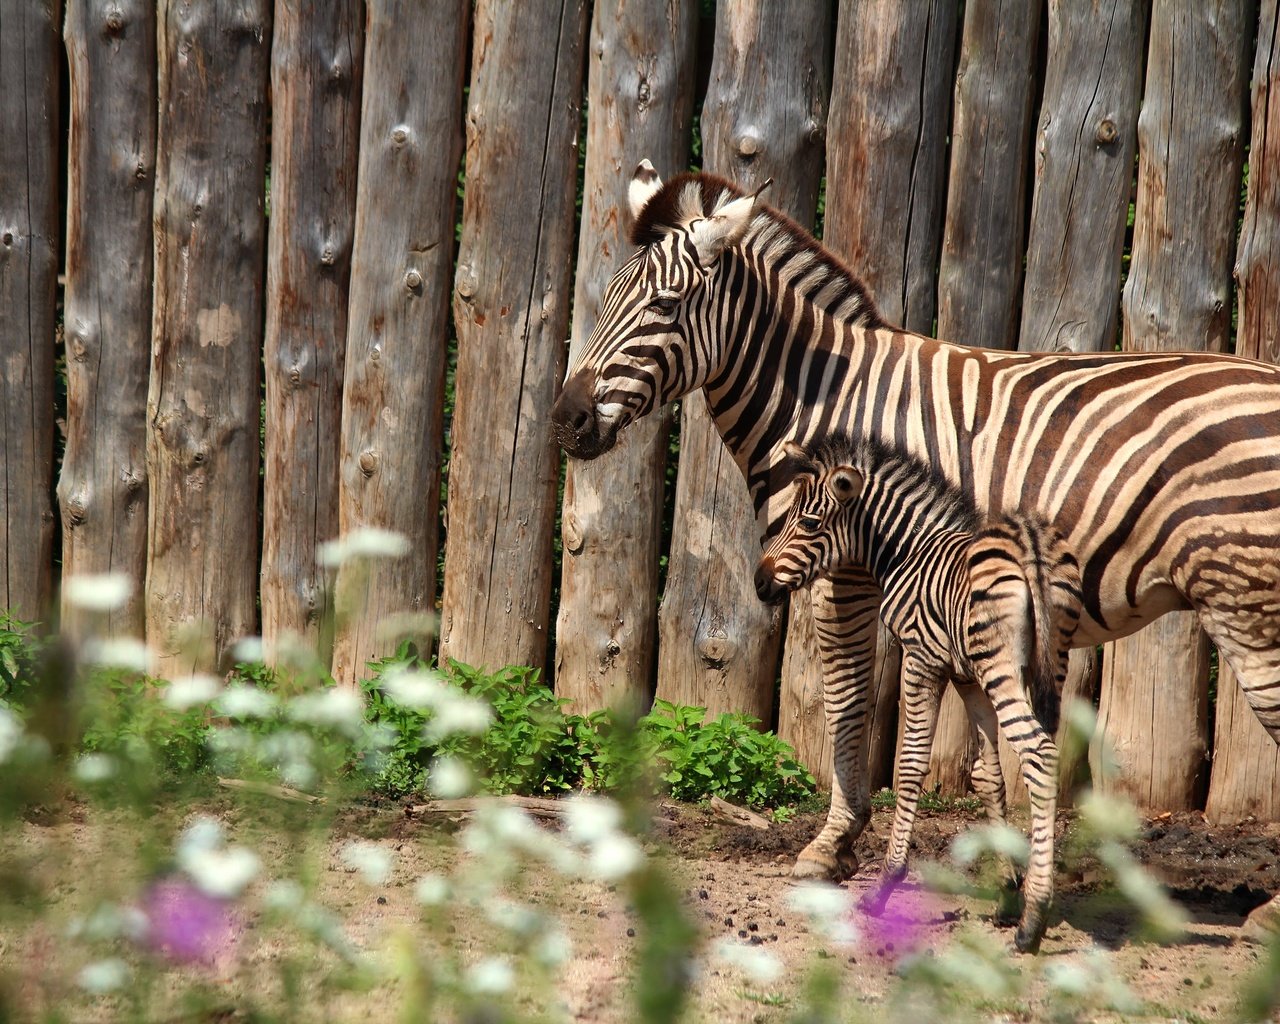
pixel 724 228
pixel 794 451
pixel 845 483
pixel 645 184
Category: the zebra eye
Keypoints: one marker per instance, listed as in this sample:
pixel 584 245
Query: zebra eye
pixel 664 304
pixel 810 523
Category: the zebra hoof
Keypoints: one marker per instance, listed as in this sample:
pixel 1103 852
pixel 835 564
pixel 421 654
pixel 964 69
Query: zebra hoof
pixel 874 901
pixel 825 867
pixel 1030 931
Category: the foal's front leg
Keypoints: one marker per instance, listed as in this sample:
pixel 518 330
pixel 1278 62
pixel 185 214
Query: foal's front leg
pixel 921 693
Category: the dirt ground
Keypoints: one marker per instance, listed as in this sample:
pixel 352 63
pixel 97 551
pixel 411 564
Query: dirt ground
pixel 734 882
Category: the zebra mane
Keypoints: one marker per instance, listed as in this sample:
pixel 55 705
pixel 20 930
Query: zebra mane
pixel 815 272
pixel 952 508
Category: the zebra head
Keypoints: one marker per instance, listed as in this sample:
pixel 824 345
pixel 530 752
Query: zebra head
pixel 651 343
pixel 820 531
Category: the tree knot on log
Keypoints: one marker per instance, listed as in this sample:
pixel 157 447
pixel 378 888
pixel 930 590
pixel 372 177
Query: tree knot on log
pixel 749 145
pixel 413 280
pixel 1107 132
pixel 113 24
pixel 77 509
pixel 816 132
pixel 571 532
pixel 400 136
pixel 466 283
pixel 328 257
pixel 368 462
pixel 716 649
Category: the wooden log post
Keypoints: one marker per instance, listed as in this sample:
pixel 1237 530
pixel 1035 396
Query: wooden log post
pixel 398 315
pixel 890 108
pixel 317 64
pixel 102 490
pixel 1245 779
pixel 764 117
pixel 511 308
pixel 1154 697
pixel 640 103
pixel 203 402
pixel 1086 134
pixel 980 276
pixel 29 129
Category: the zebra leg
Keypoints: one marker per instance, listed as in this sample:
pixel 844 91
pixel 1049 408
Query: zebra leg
pixel 921 692
pixel 1039 757
pixel 988 783
pixel 845 612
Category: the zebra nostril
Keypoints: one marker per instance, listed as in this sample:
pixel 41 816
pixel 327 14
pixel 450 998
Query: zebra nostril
pixel 766 590
pixel 580 419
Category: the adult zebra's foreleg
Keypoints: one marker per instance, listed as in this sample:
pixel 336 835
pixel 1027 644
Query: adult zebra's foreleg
pixel 845 612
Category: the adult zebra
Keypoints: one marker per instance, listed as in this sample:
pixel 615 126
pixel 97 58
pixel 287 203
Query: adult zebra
pixel 1162 470
pixel 992 603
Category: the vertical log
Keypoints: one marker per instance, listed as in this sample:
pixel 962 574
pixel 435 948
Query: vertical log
pixel 102 491
pixel 511 307
pixel 886 174
pixel 764 116
pixel 203 403
pixel 28 279
pixel 980 276
pixel 640 104
pixel 398 315
pixel 317 63
pixel 1084 148
pixel 1245 779
pixel 1154 698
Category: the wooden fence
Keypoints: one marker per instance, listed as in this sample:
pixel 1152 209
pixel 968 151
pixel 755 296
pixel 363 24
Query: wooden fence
pixel 259 215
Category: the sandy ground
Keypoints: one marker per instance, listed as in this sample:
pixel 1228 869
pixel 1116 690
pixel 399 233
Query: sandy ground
pixel 732 881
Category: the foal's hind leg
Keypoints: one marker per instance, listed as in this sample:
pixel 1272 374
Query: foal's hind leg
pixel 988 783
pixel 921 693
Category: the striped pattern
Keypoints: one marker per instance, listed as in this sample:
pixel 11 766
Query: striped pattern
pixel 1161 470
pixel 993 604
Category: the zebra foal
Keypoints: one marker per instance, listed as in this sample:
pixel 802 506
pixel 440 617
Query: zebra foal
pixel 990 603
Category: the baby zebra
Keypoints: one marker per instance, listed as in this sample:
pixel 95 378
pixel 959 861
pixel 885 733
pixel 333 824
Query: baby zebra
pixel 989 603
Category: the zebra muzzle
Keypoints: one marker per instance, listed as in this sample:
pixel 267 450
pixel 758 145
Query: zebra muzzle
pixel 768 589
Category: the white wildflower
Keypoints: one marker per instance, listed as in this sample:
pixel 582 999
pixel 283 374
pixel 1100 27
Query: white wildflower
pixel 98 592
pixel 761 966
pixel 513 917
pixel 458 715
pixel 553 948
pixel 188 691
pixel 121 652
pixel 284 894
pixel 826 907
pixel 371 861
pixel 614 857
pixel 998 839
pixel 492 976
pixel 449 778
pixel 11 731
pixel 331 708
pixel 220 871
pixel 243 701
pixel 432 890
pixel 1068 977
pixel 418 689
pixel 91 768
pixel 1108 817
pixel 362 542
pixel 298 774
pixel 249 650
pixel 229 740
pixel 589 819
pixel 103 976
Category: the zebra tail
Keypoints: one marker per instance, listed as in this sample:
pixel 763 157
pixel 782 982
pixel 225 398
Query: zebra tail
pixel 1046 701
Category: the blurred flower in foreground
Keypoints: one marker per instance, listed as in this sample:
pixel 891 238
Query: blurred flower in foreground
pixel 220 871
pixel 10 733
pixel 99 592
pixel 188 691
pixel 103 976
pixel 372 862
pixel 187 924
pixel 121 652
pixel 827 908
pixel 362 542
pixel 902 927
pixel 761 966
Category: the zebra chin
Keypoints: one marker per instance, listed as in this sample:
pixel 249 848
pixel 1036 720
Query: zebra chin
pixel 586 444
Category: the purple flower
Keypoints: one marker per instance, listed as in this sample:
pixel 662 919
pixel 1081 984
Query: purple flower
pixel 188 925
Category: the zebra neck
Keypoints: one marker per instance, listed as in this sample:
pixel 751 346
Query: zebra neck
pixel 907 524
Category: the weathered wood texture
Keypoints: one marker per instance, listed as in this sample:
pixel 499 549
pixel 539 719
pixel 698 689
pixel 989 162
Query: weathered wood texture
pixel 203 402
pixel 1087 132
pixel 317 63
pixel 640 103
pixel 1084 146
pixel 398 315
pixel 886 185
pixel 111 157
pixel 1246 760
pixel 511 307
pixel 29 129
pixel 764 116
pixel 980 272
pixel 1154 698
